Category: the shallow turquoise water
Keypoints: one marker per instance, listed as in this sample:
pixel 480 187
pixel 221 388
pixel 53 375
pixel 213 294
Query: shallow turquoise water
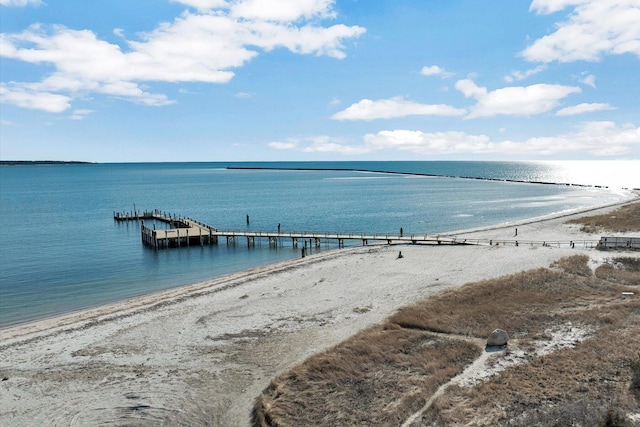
pixel 60 249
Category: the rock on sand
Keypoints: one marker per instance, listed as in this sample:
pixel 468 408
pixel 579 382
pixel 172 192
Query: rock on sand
pixel 497 338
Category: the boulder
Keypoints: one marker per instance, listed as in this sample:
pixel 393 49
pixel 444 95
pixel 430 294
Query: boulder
pixel 498 337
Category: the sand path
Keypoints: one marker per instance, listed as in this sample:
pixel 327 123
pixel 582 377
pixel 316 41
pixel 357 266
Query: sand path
pixel 200 355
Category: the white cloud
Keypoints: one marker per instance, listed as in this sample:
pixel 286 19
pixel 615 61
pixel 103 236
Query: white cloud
pixel 469 89
pixel 594 138
pixel 593 29
pixel 419 142
pixel 603 138
pixel 203 4
pixel 20 3
pixel 305 40
pixel 367 109
pixel 288 145
pixel 282 10
pixel 589 80
pixel 327 146
pixel 514 100
pixel 434 70
pixel 196 47
pixel 34 100
pixel 80 114
pixel 551 6
pixel 521 75
pixel 318 144
pixel 583 108
pixel 243 95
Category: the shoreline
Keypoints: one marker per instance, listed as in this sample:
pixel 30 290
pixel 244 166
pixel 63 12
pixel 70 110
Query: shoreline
pixel 126 271
pixel 202 353
pixel 151 298
pixel 634 196
pixel 149 301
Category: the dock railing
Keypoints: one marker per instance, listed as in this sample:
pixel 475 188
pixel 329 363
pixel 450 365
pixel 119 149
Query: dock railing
pixel 187 231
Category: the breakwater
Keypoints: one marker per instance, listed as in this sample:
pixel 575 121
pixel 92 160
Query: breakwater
pixel 432 175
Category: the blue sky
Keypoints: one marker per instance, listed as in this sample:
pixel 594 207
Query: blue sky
pixel 234 80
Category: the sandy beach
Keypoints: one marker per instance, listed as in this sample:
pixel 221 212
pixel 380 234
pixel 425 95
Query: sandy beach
pixel 199 355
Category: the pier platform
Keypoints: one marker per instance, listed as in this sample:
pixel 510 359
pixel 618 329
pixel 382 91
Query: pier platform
pixel 181 232
pixel 185 231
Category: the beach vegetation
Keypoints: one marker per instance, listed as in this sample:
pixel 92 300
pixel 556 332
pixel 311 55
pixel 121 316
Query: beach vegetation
pixel 374 378
pixel 623 219
pixel 635 377
pixel 572 358
pixel 578 265
pixel 621 270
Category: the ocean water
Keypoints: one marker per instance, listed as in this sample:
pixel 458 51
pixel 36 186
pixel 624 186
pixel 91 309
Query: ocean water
pixel 61 250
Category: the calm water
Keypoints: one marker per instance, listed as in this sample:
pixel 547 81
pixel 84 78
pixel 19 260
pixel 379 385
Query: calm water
pixel 61 251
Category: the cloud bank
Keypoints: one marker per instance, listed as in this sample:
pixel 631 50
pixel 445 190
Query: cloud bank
pixel 20 3
pixel 514 100
pixel 583 108
pixel 367 109
pixel 595 28
pixel 201 45
pixel 597 138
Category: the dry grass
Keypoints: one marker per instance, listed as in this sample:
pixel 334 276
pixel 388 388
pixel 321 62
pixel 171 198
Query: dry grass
pixel 379 377
pixel 384 374
pixel 524 304
pixel 598 373
pixel 626 218
pixel 577 265
pixel 592 384
pixel 621 270
pixel 635 377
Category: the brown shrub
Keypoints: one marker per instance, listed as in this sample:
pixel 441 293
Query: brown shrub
pixel 628 263
pixel 576 264
pixel 596 372
pixel 635 378
pixel 625 218
pixel 384 374
pixel 581 413
pixel 379 377
pixel 624 270
pixel 524 304
pixel 613 418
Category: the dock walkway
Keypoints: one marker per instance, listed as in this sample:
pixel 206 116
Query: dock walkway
pixel 185 232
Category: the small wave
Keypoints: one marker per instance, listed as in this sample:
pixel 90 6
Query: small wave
pixel 462 215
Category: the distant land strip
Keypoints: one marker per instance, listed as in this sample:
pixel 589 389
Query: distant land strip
pixel 413 174
pixel 41 162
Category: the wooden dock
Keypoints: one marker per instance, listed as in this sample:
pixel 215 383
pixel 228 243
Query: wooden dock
pixel 181 232
pixel 185 232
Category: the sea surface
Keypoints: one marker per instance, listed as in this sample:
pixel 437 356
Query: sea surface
pixel 61 250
